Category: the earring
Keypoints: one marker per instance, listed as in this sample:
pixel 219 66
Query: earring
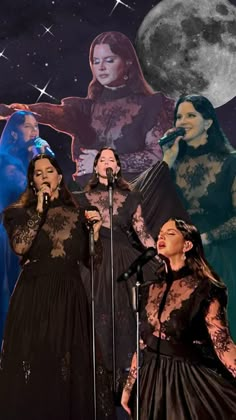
pixel 125 77
pixel 183 257
pixel 96 174
pixel 33 187
pixel 58 187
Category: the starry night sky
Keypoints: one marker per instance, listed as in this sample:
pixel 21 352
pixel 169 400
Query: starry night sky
pixel 36 57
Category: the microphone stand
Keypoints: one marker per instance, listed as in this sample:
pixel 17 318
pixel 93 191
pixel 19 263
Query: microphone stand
pixel 136 308
pixel 110 201
pixel 92 254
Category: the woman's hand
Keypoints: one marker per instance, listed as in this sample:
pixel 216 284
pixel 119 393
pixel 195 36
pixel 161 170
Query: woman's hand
pixel 86 161
pixel 125 401
pixel 170 153
pixel 94 216
pixel 45 189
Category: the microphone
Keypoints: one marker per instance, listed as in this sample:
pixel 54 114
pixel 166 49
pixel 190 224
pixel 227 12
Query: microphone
pixel 46 196
pixel 170 138
pixel 147 255
pixel 42 146
pixel 110 176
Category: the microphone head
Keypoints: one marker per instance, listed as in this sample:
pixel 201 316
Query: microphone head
pixel 180 131
pixel 109 172
pixel 170 138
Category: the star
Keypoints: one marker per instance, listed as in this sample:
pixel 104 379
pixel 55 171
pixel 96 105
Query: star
pixel 47 30
pixel 2 54
pixel 120 2
pixel 43 91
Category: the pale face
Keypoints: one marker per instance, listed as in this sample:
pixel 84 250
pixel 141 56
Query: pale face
pixel 106 160
pixel 27 131
pixel 44 172
pixel 170 242
pixel 193 122
pixel 107 67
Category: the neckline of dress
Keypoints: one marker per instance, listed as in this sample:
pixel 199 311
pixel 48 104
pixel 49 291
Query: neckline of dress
pixel 111 94
pixel 187 150
pixel 182 272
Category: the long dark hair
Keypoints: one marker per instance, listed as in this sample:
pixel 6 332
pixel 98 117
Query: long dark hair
pixel 29 198
pixel 195 257
pixel 7 142
pixel 216 137
pixel 121 46
pixel 120 181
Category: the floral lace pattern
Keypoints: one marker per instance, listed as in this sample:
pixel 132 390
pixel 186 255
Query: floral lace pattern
pixel 185 311
pixel 127 211
pixel 208 186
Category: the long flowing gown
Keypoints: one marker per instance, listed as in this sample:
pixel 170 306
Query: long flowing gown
pixel 46 361
pixel 184 329
pixel 125 204
pixel 207 187
pixel 126 248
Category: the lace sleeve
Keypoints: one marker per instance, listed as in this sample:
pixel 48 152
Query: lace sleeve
pixel 158 118
pixel 140 228
pixel 22 227
pixel 131 379
pixel 217 325
pixel 228 228
pixel 140 161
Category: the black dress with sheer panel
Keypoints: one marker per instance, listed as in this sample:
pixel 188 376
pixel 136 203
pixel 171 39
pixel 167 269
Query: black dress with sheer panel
pixel 207 186
pixel 127 214
pixel 189 358
pixel 46 360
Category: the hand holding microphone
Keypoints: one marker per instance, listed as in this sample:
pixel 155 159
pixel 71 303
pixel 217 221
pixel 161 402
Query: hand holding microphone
pixel 170 142
pixel 171 135
pixel 93 220
pixel 44 195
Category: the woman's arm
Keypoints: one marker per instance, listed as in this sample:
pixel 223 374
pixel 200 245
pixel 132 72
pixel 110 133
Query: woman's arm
pixel 129 385
pixel 5 111
pixel 140 161
pixel 158 116
pixel 22 227
pixel 217 325
pixel 140 228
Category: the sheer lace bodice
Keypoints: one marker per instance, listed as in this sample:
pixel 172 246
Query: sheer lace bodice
pixel 207 183
pixel 119 116
pixel 190 311
pixel 127 211
pixel 50 235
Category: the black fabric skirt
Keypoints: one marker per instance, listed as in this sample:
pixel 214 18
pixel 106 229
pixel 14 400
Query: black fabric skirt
pixel 175 384
pixel 46 362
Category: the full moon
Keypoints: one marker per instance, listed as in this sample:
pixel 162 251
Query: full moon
pixel 189 47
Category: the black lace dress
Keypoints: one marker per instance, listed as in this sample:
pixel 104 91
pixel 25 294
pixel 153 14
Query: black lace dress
pixel 130 123
pixel 189 359
pixel 46 363
pixel 126 213
pixel 207 187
